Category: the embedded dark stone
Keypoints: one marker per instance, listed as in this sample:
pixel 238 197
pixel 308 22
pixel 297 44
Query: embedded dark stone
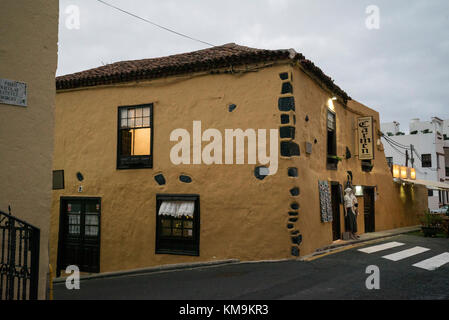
pixel 295 251
pixel 160 179
pixel 287 132
pixel 297 240
pixel 294 119
pixel 185 179
pixel 290 226
pixel 293 172
pixel 79 176
pixel 232 107
pixel 293 214
pixel 284 76
pixel 287 88
pixel 315 141
pixel 285 119
pixel 307 119
pixel 293 220
pixel 348 153
pixel 295 206
pixel 294 233
pixel 289 149
pixel 287 104
pixel 261 172
pixel 294 192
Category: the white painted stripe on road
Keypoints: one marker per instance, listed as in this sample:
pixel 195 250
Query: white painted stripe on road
pixel 381 247
pixel 405 254
pixel 433 263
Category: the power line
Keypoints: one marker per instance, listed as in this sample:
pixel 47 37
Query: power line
pixel 154 24
pixel 400 145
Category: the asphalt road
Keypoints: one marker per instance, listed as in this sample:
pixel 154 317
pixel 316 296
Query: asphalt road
pixel 337 276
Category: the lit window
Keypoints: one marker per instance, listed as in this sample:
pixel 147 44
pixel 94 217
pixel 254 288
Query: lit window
pixel 135 137
pixel 177 224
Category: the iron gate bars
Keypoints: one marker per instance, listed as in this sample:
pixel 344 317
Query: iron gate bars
pixel 19 259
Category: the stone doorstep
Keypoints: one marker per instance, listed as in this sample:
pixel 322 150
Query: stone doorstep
pixel 171 267
pixel 364 238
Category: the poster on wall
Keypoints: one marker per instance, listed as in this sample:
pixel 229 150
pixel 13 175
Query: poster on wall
pixel 365 138
pixel 13 92
pixel 325 201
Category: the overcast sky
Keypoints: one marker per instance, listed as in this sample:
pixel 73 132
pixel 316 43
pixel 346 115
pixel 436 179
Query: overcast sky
pixel 400 69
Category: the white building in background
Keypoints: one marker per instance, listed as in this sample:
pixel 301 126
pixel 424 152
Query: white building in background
pixel 430 140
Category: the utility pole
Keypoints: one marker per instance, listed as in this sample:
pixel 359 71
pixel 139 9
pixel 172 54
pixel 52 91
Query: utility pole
pixel 406 158
pixel 412 148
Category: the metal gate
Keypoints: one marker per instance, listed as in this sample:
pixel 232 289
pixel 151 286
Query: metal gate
pixel 19 260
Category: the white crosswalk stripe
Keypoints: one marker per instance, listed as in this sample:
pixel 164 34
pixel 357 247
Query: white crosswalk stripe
pixel 433 263
pixel 405 254
pixel 381 247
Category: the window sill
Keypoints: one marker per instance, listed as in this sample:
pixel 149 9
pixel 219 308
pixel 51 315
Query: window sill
pixel 177 253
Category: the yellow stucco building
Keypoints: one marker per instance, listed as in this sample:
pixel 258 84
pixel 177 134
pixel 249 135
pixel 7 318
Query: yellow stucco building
pixel 129 196
pixel 28 59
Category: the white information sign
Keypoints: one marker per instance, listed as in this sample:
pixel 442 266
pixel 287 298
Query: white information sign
pixel 13 92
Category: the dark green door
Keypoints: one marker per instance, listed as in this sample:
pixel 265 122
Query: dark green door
pixel 79 238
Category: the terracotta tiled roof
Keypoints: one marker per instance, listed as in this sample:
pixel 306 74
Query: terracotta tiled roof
pixel 202 60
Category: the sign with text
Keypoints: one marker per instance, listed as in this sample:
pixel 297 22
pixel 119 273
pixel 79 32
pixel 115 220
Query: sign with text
pixel 365 135
pixel 13 92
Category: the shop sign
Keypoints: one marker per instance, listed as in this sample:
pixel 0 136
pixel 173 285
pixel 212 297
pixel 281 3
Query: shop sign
pixel 365 136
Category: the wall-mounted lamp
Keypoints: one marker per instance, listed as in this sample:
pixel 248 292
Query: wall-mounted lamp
pixel 412 174
pixel 396 171
pixel 404 172
pixel 334 98
pixel 330 104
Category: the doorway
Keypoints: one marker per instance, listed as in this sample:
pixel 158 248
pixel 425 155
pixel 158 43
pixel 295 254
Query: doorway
pixel 369 209
pixel 336 199
pixel 79 234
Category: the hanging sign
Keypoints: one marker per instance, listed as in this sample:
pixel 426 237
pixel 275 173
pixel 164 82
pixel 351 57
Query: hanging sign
pixel 365 136
pixel 13 92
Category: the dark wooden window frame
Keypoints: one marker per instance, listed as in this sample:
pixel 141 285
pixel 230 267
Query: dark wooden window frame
pixel 427 163
pixel 331 161
pixel 178 246
pixel 134 162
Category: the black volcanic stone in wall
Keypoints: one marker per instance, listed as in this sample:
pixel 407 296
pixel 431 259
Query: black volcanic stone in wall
pixel 285 119
pixel 293 220
pixel 294 192
pixel 289 149
pixel 294 233
pixel 293 214
pixel 287 132
pixel 284 76
pixel 293 172
pixel 232 107
pixel 295 251
pixel 297 240
pixel 290 226
pixel 160 179
pixel 287 104
pixel 287 88
pixel 185 179
pixel 295 206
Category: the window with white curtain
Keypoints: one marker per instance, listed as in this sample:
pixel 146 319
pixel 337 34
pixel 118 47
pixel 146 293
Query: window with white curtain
pixel 177 224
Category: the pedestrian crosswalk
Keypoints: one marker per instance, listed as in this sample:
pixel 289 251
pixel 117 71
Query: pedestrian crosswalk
pixel 428 264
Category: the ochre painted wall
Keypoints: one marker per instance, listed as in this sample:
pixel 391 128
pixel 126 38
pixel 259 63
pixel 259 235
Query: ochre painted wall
pixel 241 217
pixel 28 53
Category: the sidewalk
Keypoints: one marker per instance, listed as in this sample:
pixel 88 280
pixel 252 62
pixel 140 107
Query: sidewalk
pixel 363 238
